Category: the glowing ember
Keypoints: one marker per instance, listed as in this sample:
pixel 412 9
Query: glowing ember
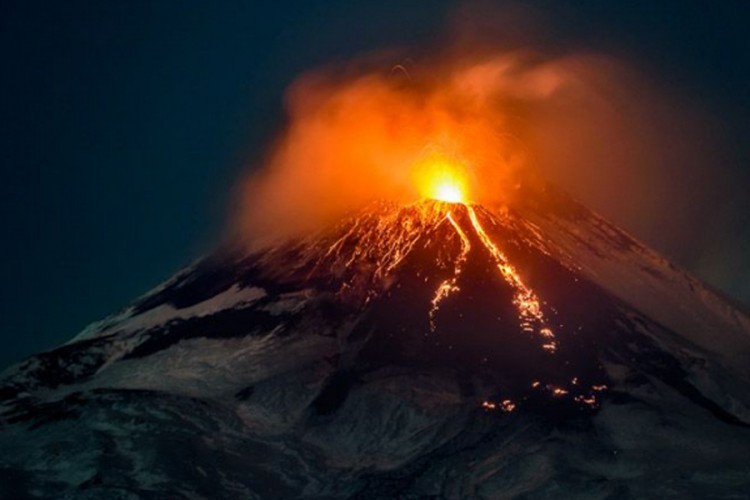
pixel 508 406
pixel 590 401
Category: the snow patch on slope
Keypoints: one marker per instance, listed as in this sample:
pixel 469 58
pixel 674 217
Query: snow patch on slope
pixel 128 320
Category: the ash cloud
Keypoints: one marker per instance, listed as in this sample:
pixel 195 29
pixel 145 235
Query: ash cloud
pixel 508 108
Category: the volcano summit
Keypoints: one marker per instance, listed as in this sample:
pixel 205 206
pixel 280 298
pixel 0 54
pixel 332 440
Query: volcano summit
pixel 439 349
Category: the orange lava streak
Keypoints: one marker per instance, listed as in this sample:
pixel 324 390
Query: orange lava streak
pixel 450 285
pixel 529 308
pixel 384 240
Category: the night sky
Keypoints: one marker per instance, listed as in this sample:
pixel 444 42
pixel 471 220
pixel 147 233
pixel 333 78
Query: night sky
pixel 126 124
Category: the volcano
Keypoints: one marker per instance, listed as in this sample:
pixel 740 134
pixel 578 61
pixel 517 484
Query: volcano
pixel 438 349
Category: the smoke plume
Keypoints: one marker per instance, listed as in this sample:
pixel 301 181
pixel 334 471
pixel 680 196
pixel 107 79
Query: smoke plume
pixel 503 116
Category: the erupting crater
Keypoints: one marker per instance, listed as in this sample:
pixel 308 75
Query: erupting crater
pixel 439 178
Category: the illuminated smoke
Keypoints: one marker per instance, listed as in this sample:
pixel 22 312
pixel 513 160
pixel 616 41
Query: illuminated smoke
pixel 353 138
pixel 376 127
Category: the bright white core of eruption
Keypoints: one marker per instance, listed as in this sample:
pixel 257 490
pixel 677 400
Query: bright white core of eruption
pixel 449 192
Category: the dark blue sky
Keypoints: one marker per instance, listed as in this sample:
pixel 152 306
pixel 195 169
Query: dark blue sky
pixel 124 125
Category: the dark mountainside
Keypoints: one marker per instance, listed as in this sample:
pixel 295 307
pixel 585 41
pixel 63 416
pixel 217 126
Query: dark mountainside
pixel 431 350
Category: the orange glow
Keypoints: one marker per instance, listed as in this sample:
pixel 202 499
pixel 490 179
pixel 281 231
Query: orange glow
pixel 530 315
pixel 354 139
pixel 440 178
pixel 506 405
pixel 468 130
pixel 357 131
pixel 449 192
pixel 590 400
pixel 488 405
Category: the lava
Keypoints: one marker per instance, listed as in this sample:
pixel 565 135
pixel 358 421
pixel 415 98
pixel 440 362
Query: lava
pixel 505 405
pixel 450 285
pixel 439 177
pixel 443 178
pixel 528 305
pixel 383 240
pixel 448 192
pixel 370 248
pixel 386 239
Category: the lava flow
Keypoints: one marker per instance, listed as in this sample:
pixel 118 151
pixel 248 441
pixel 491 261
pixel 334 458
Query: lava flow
pixel 529 308
pixel 444 182
pixel 450 285
pixel 451 243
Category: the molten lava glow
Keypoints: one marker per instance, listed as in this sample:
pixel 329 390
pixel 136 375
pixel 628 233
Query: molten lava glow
pixel 488 405
pixel 353 140
pixel 384 237
pixel 529 308
pixel 506 405
pixel 450 285
pixel 448 192
pixel 441 178
pixel 530 313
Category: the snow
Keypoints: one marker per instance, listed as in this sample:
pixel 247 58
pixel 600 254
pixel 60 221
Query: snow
pixel 128 321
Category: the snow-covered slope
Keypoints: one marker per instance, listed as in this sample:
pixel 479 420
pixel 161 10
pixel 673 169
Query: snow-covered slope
pixel 432 350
